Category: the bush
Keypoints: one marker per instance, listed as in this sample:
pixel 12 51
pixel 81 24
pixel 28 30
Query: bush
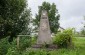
pixel 13 51
pixel 64 39
pixel 33 40
pixel 7 48
pixel 4 46
pixel 25 42
pixel 82 32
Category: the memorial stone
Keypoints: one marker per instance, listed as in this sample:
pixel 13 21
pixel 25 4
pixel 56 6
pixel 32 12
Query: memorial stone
pixel 44 34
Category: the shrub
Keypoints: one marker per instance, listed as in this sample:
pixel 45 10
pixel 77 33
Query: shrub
pixel 4 46
pixel 25 42
pixel 33 40
pixel 13 51
pixel 64 39
pixel 82 32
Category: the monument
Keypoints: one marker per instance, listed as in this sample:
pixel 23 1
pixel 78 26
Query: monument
pixel 44 34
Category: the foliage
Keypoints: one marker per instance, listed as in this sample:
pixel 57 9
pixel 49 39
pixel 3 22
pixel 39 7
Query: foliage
pixel 13 51
pixel 84 21
pixel 52 14
pixel 4 46
pixel 14 17
pixel 83 32
pixel 45 45
pixel 25 42
pixel 36 52
pixel 33 40
pixel 64 39
pixel 78 50
pixel 8 49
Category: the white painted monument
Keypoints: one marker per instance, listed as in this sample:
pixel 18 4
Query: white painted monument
pixel 44 34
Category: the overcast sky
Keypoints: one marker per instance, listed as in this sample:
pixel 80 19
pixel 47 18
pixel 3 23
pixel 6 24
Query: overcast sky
pixel 71 11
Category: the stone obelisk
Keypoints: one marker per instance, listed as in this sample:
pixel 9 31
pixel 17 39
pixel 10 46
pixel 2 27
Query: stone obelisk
pixel 44 34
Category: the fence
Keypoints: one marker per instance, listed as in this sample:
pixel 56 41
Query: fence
pixel 23 41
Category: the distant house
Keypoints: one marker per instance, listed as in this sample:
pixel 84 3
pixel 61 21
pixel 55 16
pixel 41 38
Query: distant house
pixel 61 29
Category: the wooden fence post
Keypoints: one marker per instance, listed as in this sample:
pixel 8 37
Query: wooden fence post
pixel 18 42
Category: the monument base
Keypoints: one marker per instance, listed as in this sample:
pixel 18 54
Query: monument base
pixel 47 46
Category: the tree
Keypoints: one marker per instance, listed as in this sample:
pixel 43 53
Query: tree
pixel 84 22
pixel 83 29
pixel 14 17
pixel 52 14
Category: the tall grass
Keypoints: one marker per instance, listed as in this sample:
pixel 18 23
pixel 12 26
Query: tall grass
pixel 79 49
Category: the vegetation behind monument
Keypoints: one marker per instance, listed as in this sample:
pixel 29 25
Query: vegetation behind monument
pixel 52 15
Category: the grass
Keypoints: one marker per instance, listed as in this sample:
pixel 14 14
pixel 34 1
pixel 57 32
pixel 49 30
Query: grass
pixel 79 43
pixel 79 49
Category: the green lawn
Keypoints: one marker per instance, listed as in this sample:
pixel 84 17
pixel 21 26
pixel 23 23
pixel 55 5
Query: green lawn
pixel 79 43
pixel 79 49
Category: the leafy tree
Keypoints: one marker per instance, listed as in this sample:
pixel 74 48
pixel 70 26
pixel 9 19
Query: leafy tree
pixel 52 14
pixel 84 20
pixel 83 29
pixel 83 32
pixel 14 17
